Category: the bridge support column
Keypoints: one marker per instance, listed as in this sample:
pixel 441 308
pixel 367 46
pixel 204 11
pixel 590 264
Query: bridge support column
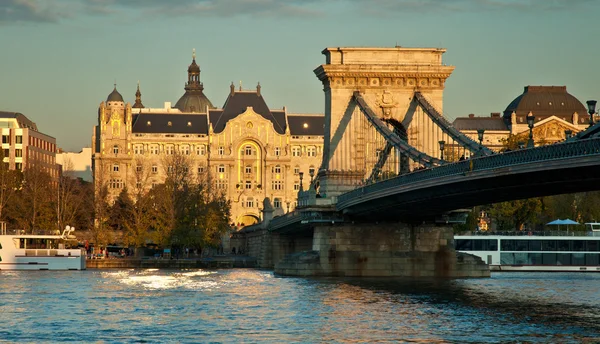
pixel 382 250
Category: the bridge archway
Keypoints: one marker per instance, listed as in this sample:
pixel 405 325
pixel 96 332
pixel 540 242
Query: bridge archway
pixel 247 219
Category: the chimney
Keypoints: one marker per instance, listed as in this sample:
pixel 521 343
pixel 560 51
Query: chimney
pixel 495 115
pixel 471 115
pixel 258 89
pixel 231 89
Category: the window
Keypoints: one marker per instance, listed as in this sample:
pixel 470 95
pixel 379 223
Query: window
pixel 297 170
pixel 311 151
pixel 200 169
pixel 277 185
pixel 18 139
pixel 170 150
pixel 185 150
pixel 248 169
pixel 296 151
pixel 115 168
pixel 297 186
pixel 221 150
pixel 248 150
pixel 18 153
pixel 154 169
pixel 222 184
pixel 6 139
pixel 250 202
pixel 169 169
pixel 138 168
pixel 277 151
pixel 116 149
pixel 201 150
pixel 277 169
pixel 248 185
pixel 116 184
pixel 138 185
pixel 19 166
pixel 277 202
pixel 138 149
pixel 154 149
pixel 221 169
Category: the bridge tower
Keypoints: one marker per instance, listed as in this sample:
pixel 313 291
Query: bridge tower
pixel 387 78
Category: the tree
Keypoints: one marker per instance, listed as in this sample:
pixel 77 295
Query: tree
pixel 73 197
pixel 139 218
pixel 34 211
pixel 513 215
pixel 10 183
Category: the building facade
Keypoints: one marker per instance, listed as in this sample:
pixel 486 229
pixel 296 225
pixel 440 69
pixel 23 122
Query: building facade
pixel 76 165
pixel 556 113
pixel 25 146
pixel 244 149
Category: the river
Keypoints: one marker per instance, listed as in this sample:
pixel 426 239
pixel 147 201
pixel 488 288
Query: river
pixel 254 306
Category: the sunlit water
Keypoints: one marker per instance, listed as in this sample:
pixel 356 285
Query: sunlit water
pixel 229 306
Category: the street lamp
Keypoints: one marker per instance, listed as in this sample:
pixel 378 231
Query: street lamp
pixel 301 176
pixel 442 143
pixel 480 137
pixel 530 120
pixel 591 110
pixel 568 134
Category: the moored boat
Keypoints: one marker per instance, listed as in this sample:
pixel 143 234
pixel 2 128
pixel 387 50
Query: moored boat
pixel 535 251
pixel 19 251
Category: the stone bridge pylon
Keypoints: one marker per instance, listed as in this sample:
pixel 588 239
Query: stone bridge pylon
pixel 387 79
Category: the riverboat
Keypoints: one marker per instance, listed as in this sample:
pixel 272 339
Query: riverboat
pixel 19 251
pixel 535 251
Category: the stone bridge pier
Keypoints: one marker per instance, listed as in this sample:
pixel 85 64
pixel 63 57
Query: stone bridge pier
pixel 375 250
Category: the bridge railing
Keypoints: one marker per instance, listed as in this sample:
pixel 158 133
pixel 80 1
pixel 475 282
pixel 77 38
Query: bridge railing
pixel 544 153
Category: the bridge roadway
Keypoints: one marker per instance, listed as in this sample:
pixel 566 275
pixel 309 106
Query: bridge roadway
pixel 568 167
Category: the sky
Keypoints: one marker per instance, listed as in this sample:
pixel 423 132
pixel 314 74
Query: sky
pixel 60 58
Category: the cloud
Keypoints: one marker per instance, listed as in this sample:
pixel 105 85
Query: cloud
pixel 49 11
pixel 14 11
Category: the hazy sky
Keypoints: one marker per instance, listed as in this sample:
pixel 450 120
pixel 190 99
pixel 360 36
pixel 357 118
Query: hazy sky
pixel 60 58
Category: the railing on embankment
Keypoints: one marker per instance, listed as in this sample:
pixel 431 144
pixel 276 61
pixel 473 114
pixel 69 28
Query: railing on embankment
pixel 226 262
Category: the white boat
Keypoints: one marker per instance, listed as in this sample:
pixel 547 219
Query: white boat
pixel 535 251
pixel 20 251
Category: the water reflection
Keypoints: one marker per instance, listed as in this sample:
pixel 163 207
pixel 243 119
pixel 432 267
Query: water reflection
pixel 256 306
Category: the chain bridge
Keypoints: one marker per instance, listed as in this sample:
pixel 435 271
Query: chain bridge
pixel 393 164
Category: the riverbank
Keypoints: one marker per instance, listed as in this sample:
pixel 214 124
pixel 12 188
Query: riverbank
pixel 219 262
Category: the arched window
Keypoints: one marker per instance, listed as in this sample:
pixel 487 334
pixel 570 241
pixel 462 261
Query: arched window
pixel 116 168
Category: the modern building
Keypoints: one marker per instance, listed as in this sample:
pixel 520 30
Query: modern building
pixel 24 145
pixel 556 114
pixel 248 150
pixel 76 164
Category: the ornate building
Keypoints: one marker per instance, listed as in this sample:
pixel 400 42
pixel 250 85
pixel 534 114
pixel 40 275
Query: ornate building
pixel 248 150
pixel 556 114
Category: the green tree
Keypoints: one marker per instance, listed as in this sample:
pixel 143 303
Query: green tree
pixel 513 215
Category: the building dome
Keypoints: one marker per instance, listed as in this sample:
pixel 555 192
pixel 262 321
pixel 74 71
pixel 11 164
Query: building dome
pixel 114 96
pixel 545 101
pixel 194 68
pixel 193 101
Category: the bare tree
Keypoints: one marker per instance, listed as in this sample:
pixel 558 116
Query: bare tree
pixel 10 182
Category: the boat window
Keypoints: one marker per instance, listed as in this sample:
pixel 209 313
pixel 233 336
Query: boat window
pixel 549 258
pixel 508 245
pixel 592 246
pixel 521 245
pixel 563 259
pixel 578 258
pixel 563 245
pixel 549 245
pixel 579 245
pixel 535 245
pixel 592 259
pixel 476 244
